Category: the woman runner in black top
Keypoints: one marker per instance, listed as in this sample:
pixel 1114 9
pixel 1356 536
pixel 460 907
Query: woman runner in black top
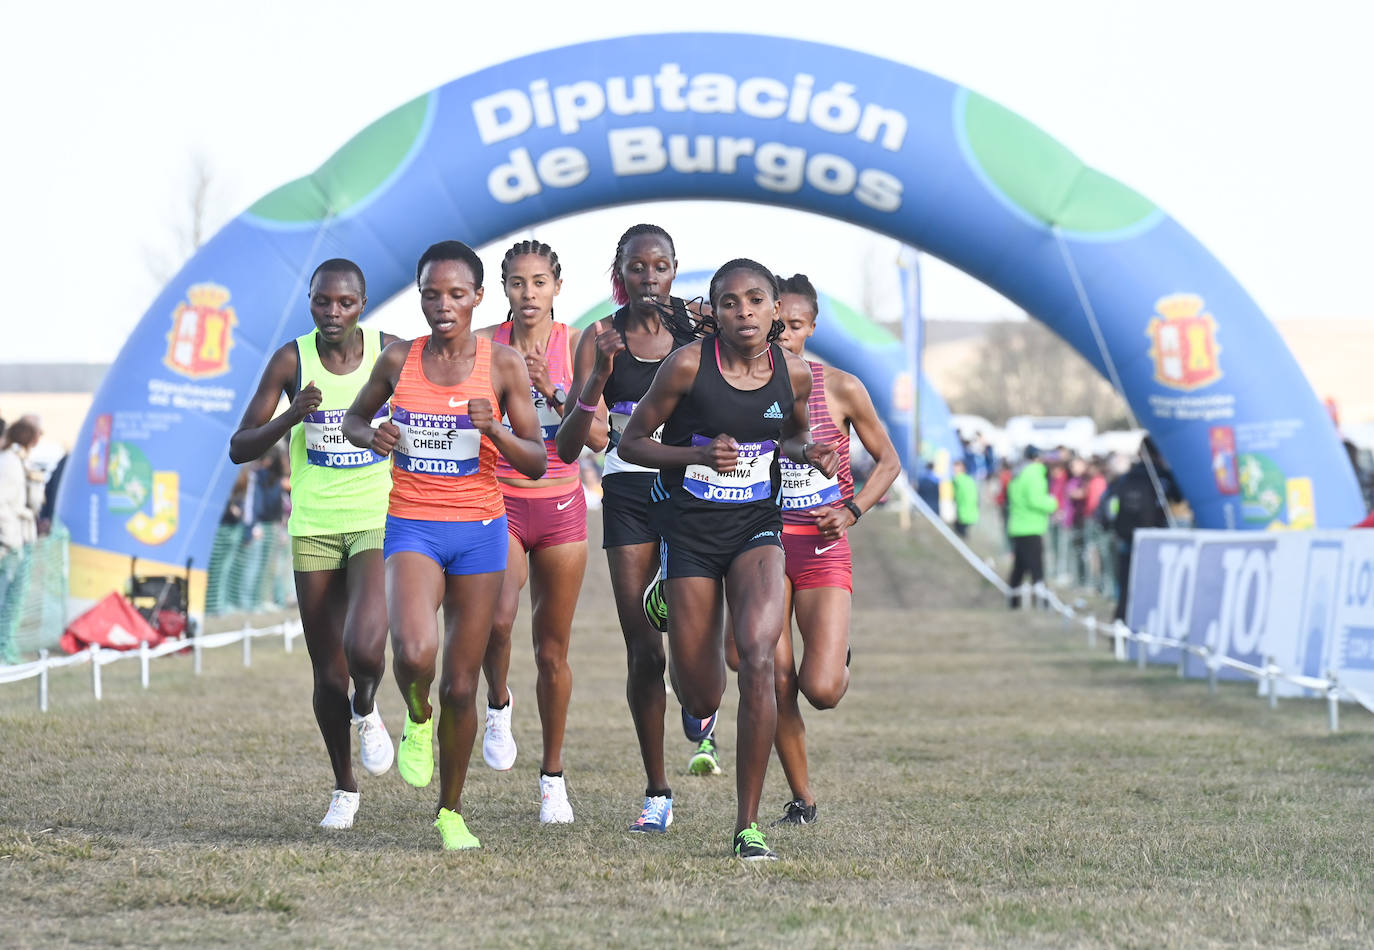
pixel 728 404
pixel 615 362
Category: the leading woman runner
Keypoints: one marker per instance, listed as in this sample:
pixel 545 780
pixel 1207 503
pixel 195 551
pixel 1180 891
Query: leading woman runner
pixel 729 405
pixel 446 525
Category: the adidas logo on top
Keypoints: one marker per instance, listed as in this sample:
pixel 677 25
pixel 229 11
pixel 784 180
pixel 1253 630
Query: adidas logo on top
pixel 772 412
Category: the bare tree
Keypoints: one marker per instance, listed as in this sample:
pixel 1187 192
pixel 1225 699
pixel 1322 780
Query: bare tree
pixel 1022 368
pixel 194 217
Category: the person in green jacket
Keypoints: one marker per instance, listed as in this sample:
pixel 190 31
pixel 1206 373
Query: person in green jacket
pixel 965 500
pixel 1029 506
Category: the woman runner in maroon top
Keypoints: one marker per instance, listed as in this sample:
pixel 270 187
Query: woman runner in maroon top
pixel 817 512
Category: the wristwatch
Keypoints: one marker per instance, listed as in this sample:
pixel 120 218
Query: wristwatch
pixel 853 509
pixel 559 397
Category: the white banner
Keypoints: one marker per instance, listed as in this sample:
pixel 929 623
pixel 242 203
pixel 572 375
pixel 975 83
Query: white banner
pixel 1241 600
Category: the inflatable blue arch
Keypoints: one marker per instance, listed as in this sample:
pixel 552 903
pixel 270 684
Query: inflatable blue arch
pixel 709 116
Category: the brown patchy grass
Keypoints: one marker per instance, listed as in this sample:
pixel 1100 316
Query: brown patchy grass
pixel 989 781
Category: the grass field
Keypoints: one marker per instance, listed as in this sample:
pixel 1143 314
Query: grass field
pixel 989 781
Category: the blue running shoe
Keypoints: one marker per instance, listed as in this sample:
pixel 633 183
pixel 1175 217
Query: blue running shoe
pixel 697 729
pixel 656 816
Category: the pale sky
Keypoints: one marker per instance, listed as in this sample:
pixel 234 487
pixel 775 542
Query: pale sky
pixel 1247 121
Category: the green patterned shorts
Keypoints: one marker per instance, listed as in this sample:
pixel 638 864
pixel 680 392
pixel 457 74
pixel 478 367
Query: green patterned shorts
pixel 330 552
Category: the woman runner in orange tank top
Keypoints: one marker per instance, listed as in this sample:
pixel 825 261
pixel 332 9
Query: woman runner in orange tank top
pixel 445 534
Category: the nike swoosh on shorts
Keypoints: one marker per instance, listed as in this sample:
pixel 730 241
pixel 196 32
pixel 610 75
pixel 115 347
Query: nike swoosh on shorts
pixel 826 548
pixel 487 522
pixel 565 504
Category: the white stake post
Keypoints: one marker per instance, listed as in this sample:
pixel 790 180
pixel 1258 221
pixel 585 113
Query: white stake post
pixel 43 681
pixel 95 671
pixel 143 663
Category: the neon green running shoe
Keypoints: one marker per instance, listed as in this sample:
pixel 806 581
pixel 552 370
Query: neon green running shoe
pixel 415 758
pixel 704 761
pixel 455 832
pixel 750 846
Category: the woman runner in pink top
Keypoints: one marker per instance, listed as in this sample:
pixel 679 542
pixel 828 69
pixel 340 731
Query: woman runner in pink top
pixel 547 525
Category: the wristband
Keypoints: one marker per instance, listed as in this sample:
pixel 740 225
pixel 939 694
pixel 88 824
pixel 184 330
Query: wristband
pixel 853 509
pixel 586 408
pixel 806 458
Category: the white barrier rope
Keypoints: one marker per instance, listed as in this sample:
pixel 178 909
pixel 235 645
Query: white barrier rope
pixel 100 657
pixel 1270 673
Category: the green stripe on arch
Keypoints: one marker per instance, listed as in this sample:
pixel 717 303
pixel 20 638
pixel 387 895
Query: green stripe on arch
pixel 1038 175
pixel 351 174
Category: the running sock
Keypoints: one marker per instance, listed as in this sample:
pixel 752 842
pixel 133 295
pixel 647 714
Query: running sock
pixel 503 705
pixel 558 774
pixel 658 793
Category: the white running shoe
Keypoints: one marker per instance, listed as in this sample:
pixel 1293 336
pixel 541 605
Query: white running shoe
pixel 374 744
pixel 342 807
pixel 554 808
pixel 498 742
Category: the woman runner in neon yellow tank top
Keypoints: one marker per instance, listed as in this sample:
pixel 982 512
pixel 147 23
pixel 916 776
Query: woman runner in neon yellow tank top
pixel 338 510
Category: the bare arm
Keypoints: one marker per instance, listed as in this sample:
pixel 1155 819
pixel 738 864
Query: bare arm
pixel 599 432
pixel 592 359
pixel 855 407
pixel 523 443
pixel 258 431
pixel 357 422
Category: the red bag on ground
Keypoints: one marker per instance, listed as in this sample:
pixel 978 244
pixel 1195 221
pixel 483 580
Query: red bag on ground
pixel 112 623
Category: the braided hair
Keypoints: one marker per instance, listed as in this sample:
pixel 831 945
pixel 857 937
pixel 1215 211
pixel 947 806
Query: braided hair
pixel 683 323
pixel 800 285
pixel 521 248
pixel 618 292
pixel 744 263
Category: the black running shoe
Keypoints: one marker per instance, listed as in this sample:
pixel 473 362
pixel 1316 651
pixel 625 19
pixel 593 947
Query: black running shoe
pixel 750 846
pixel 797 812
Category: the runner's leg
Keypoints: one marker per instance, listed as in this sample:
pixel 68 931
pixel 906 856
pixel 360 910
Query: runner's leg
pixel 365 628
pixel 555 580
pixel 753 587
pixel 322 597
pixel 469 606
pixel 496 663
pixel 632 567
pixel 415 588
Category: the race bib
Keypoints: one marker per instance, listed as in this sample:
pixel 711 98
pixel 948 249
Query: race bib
pixel 325 443
pixel 436 443
pixel 620 417
pixel 805 487
pixel 549 419
pixel 751 480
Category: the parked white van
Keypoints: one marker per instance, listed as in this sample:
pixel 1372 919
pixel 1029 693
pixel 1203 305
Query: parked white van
pixel 1050 432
